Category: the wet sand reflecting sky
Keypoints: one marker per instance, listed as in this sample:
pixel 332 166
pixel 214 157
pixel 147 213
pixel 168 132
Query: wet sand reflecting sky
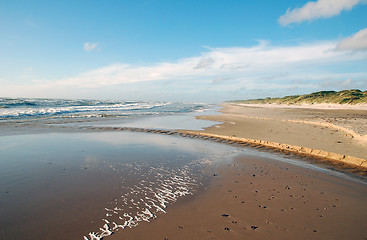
pixel 70 185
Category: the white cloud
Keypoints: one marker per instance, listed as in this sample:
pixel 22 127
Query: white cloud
pixel 205 63
pixel 212 74
pixel 314 10
pixel 234 63
pixel 354 43
pixel 90 46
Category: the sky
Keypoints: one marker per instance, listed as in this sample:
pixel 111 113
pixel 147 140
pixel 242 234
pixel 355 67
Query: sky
pixel 189 50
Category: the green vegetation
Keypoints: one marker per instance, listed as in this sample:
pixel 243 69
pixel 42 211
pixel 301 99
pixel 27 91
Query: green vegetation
pixel 353 96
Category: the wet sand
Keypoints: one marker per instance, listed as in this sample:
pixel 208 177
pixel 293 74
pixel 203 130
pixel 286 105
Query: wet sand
pixel 262 198
pixel 71 185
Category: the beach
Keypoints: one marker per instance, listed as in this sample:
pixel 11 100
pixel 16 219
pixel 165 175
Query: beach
pixel 333 130
pixel 147 178
pixel 262 198
pixel 180 120
pixel 267 196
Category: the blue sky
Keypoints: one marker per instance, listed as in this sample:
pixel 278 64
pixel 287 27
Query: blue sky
pixel 202 51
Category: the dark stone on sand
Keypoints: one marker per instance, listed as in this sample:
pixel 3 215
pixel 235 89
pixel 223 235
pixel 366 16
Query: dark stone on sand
pixel 225 215
pixel 215 175
pixel 227 229
pixel 180 227
pixel 254 227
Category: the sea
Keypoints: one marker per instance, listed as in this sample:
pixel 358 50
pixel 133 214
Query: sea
pixel 67 173
pixel 32 109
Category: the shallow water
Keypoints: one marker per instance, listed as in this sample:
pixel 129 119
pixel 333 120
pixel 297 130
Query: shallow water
pixel 70 185
pixel 171 122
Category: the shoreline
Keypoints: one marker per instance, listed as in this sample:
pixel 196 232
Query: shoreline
pixel 301 151
pixel 347 160
pixel 208 134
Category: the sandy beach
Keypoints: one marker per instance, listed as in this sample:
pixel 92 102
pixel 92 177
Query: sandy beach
pixel 259 197
pixel 333 130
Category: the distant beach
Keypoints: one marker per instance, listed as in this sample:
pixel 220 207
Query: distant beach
pixel 341 130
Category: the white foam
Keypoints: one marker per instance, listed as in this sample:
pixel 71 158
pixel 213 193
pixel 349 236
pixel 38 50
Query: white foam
pixel 147 198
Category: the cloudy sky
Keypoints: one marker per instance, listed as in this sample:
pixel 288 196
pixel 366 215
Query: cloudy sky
pixel 189 50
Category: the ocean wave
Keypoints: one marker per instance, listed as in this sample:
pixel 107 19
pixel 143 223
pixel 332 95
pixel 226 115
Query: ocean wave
pixel 19 108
